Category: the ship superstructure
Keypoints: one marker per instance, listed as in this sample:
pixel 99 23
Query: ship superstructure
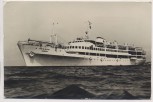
pixel 80 52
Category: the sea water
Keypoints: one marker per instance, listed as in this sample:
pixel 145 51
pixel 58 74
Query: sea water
pixel 96 82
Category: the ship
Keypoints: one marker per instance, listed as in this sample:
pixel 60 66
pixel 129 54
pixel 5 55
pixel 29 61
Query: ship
pixel 82 51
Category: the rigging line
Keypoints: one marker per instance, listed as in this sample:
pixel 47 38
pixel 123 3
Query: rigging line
pixel 61 38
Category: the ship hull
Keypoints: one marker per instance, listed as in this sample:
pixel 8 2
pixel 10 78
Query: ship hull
pixel 34 56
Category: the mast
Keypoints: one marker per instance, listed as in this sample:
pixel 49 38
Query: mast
pixel 53 29
pixel 56 41
pixel 53 34
pixel 87 31
pixel 50 38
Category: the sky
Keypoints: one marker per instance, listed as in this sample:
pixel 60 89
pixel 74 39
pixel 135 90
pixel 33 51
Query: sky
pixel 124 22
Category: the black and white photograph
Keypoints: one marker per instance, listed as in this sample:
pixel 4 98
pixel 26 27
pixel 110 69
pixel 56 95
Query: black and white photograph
pixel 77 50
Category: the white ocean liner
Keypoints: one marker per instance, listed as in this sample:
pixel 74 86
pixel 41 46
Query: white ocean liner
pixel 80 52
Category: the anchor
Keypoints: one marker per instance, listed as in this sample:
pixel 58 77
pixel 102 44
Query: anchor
pixel 31 54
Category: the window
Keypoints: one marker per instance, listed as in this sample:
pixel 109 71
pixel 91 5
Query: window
pixel 139 53
pixel 76 47
pixel 102 50
pixel 81 53
pixel 82 47
pixel 111 56
pixel 93 54
pixel 79 47
pixel 102 54
pixel 122 56
pixel 139 56
pixel 98 54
